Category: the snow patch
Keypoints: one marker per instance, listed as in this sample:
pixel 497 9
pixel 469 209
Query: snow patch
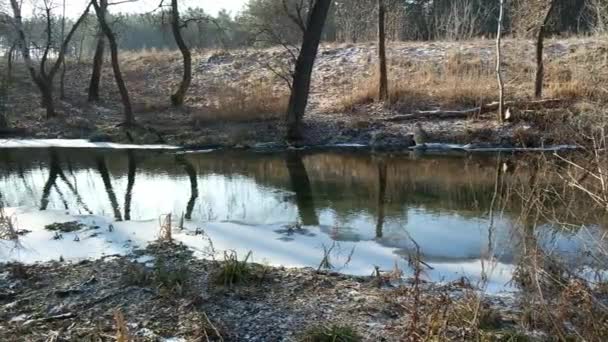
pixel 75 143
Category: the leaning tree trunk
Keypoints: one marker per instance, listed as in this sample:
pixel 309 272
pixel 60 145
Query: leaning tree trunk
pixel 383 82
pixel 122 88
pixel 303 70
pixel 177 99
pixel 97 66
pixel 9 63
pixel 98 60
pixel 540 68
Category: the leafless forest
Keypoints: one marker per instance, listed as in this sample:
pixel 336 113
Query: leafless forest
pixel 388 75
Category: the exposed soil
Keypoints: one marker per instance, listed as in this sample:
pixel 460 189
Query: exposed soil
pixel 76 302
pixel 223 77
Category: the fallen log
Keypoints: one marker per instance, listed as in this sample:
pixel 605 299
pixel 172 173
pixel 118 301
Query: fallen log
pixel 466 113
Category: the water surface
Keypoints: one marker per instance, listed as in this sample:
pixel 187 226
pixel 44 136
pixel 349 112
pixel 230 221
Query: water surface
pixel 369 210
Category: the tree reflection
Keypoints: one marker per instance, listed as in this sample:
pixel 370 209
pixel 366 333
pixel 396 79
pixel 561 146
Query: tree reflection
pixel 132 169
pixel 381 198
pixel 54 170
pixel 107 182
pixel 191 171
pixel 300 184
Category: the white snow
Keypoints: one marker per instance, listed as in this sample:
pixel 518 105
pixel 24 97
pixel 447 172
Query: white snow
pixel 265 241
pixel 460 251
pixel 74 143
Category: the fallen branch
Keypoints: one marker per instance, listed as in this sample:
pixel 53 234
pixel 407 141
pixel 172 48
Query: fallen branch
pixel 466 113
pixel 51 318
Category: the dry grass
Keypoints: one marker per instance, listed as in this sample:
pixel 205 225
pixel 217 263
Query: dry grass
pixel 466 81
pixel 256 101
pixel 8 229
pixel 122 332
pixel 461 82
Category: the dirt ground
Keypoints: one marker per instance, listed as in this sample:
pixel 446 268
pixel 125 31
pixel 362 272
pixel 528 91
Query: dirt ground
pixel 237 97
pixel 62 301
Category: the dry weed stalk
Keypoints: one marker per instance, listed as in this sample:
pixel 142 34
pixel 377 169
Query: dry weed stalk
pixel 207 325
pixel 8 223
pixel 563 192
pixel 165 232
pixel 122 332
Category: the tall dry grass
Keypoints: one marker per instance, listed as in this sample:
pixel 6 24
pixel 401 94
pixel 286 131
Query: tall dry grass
pixel 462 81
pixel 258 100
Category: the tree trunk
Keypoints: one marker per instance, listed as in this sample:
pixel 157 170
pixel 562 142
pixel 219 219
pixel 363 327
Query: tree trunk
pixel 9 63
pixel 501 86
pixel 98 60
pixel 46 90
pixel 383 86
pixel 303 69
pixel 122 88
pixel 177 99
pixel 62 76
pixel 540 44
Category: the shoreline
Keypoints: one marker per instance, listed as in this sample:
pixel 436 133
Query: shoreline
pixel 78 300
pixel 276 147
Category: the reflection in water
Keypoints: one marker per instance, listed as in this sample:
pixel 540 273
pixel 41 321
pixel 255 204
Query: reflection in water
pixel 107 182
pixel 191 171
pixel 54 170
pixel 381 198
pixel 132 169
pixel 300 184
pixel 454 207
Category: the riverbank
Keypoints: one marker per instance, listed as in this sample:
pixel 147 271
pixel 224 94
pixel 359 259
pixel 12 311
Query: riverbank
pixel 163 292
pixel 426 263
pixel 236 100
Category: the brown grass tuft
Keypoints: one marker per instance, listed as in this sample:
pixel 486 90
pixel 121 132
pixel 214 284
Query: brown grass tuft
pixel 258 101
pixel 122 332
pixel 460 82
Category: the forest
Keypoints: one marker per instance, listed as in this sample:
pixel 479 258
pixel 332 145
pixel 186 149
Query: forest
pixel 304 170
pixel 66 45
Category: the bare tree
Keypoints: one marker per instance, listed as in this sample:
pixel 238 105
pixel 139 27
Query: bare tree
pixel 41 76
pixel 501 86
pixel 383 82
pixel 540 68
pixel 531 18
pixel 300 88
pixel 98 58
pixel 122 88
pixel 177 99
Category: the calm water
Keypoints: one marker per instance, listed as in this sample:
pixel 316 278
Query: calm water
pixel 373 206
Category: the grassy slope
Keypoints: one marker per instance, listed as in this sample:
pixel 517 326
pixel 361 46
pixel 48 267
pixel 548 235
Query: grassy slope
pixel 238 97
